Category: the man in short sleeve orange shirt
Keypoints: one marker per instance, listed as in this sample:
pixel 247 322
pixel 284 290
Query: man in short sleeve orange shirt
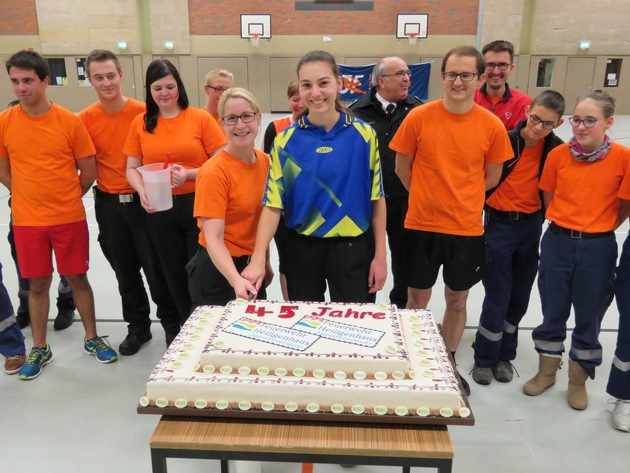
pixel 42 145
pixel 123 234
pixel 448 153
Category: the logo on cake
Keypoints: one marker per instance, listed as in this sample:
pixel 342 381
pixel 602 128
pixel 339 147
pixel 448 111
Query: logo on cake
pixel 247 324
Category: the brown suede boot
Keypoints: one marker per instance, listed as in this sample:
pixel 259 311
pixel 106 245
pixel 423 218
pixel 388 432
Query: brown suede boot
pixel 546 376
pixel 577 395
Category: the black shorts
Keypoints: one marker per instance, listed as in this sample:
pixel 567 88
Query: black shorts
pixel 463 259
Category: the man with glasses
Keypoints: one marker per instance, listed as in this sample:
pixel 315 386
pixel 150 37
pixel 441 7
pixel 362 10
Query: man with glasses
pixel 495 94
pixel 449 152
pixel 384 107
pixel 217 82
pixel 512 228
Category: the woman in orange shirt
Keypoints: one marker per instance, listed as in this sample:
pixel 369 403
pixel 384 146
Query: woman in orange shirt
pixel 583 183
pixel 227 205
pixel 188 136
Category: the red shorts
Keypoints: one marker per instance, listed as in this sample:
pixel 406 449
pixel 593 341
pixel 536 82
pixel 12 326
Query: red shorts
pixel 34 245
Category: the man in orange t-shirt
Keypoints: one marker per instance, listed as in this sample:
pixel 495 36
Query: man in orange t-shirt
pixel 123 233
pixel 512 230
pixel 448 153
pixel 42 145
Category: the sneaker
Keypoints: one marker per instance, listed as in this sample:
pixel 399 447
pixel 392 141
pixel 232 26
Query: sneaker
pixel 23 319
pixel 621 415
pixel 37 359
pixel 481 375
pixel 100 348
pixel 503 371
pixel 64 319
pixel 13 363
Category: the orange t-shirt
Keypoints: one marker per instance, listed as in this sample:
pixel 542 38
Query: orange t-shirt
pixel 216 118
pixel 189 138
pixel 586 194
pixel 108 132
pixel 43 153
pixel 231 190
pixel 519 192
pixel 449 152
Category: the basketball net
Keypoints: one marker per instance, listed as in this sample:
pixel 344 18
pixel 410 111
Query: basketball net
pixel 254 38
pixel 412 37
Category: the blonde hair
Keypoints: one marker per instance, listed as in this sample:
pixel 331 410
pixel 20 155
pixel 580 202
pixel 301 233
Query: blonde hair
pixel 238 93
pixel 214 73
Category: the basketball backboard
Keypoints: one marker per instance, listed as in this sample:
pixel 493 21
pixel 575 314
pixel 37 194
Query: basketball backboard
pixel 254 25
pixel 412 23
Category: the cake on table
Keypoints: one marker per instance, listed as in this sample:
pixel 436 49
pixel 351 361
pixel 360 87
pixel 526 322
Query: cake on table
pixel 307 357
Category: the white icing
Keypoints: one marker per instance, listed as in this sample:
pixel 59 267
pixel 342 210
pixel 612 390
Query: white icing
pixel 268 388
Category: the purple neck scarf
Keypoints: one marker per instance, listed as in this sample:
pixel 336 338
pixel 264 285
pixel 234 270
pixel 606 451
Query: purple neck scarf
pixel 600 153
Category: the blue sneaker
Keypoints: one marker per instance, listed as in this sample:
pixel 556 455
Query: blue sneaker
pixel 37 359
pixel 101 349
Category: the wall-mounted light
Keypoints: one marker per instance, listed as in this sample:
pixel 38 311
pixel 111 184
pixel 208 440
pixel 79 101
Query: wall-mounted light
pixel 122 45
pixel 169 44
pixel 584 45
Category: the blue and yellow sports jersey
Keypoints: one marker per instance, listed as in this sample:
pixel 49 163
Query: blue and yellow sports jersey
pixel 325 181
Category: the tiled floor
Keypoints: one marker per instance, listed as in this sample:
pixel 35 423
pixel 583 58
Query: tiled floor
pixel 79 416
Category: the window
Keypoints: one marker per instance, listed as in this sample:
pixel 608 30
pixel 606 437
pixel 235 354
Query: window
pixel 613 71
pixel 545 72
pixel 58 75
pixel 81 72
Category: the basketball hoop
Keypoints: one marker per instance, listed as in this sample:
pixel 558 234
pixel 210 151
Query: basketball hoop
pixel 412 37
pixel 254 37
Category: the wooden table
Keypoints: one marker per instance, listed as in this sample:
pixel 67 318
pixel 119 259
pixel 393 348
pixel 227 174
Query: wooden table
pixel 427 446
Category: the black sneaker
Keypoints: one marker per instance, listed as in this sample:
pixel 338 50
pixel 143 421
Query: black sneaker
pixel 64 319
pixel 23 319
pixel 133 342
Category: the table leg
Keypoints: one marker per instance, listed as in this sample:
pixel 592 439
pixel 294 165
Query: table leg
pixel 158 461
pixel 224 466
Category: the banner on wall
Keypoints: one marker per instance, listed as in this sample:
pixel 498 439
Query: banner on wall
pixel 357 80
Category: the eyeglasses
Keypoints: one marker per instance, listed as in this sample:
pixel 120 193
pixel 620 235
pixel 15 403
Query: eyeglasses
pixel 535 119
pixel 399 74
pixel 501 65
pixel 232 120
pixel 588 121
pixel 464 76
pixel 218 90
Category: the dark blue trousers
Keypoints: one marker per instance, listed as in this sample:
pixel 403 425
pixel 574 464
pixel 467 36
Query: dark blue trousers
pixel 512 263
pixel 619 379
pixel 11 338
pixel 578 273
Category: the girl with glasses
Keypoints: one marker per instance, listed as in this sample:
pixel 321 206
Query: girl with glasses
pixel 583 184
pixel 326 176
pixel 230 187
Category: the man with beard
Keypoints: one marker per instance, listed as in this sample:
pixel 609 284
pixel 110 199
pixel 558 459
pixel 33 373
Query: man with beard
pixel 495 94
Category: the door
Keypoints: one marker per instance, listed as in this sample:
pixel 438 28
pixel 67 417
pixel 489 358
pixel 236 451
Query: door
pixel 579 79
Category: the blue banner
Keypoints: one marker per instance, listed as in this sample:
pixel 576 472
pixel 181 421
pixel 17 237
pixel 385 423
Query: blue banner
pixel 357 80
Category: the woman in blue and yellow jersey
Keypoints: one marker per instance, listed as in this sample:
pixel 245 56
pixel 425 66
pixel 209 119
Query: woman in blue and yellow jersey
pixel 325 176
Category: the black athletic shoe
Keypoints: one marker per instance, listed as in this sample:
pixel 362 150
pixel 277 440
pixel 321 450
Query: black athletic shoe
pixel 64 319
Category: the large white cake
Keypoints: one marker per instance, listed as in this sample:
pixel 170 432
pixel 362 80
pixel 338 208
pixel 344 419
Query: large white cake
pixel 361 359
